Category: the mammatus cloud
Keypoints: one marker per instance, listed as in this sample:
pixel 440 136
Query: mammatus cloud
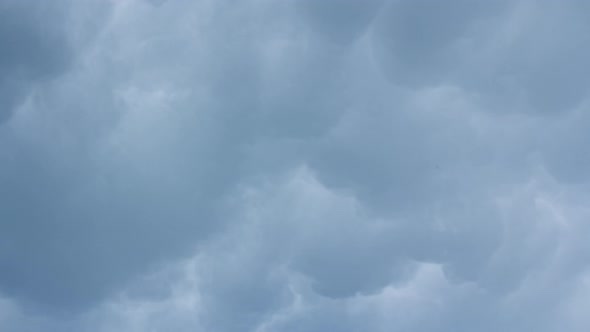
pixel 294 166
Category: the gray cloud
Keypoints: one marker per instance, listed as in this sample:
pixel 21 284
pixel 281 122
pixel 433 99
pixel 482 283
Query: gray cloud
pixel 293 165
pixel 512 54
pixel 35 48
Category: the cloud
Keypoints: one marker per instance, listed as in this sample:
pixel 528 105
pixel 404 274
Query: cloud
pixel 38 46
pixel 293 165
pixel 32 50
pixel 510 53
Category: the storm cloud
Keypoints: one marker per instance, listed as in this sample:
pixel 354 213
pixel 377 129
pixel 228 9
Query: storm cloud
pixel 294 165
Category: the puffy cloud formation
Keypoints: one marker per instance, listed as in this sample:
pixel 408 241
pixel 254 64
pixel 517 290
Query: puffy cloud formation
pixel 295 165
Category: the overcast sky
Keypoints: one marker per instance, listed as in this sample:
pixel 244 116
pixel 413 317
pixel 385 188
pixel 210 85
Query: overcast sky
pixel 294 165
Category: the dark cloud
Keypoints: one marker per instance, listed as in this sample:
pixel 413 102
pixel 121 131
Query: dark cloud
pixel 342 21
pixel 510 53
pixel 35 48
pixel 424 42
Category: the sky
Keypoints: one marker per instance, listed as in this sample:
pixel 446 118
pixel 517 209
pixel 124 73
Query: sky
pixel 294 165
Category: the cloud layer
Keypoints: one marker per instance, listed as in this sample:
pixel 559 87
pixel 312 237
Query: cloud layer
pixel 294 165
